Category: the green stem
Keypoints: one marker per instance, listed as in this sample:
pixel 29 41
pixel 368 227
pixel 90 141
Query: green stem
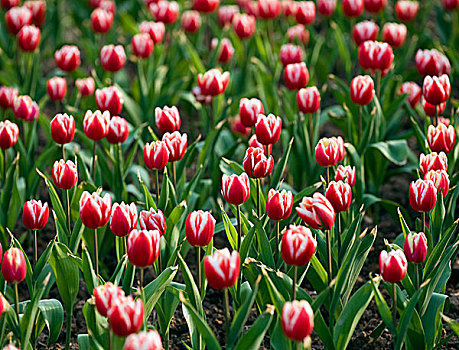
pixel 394 305
pixel 68 210
pixel 198 261
pixel 5 156
pixel 338 234
pixel 436 116
pixel 227 313
pixel 378 84
pixel 96 252
pixel 35 248
pixel 110 338
pixel 360 124
pixel 277 239
pixel 311 130
pixel 328 175
pixel 157 185
pixel 174 175
pixel 424 222
pixel 295 278
pixel 258 198
pixel 16 295
pixel 330 268
pixel 93 167
pixel 239 239
pixel 69 328
pixel 63 152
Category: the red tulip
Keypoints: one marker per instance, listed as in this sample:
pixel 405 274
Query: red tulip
pixel 14 266
pixel 101 20
pixel 200 97
pixel 155 155
pixel 268 9
pixel 96 124
pixel 298 245
pixel 268 129
pixel 213 82
pixel 362 90
pixel 253 142
pixel 105 295
pixel 440 179
pixel 109 99
pixel 143 247
pixel 142 45
pixel 394 34
pixel 56 88
pixel 16 18
pixel 35 214
pixel 9 133
pixel 353 8
pixel 67 58
pixel 112 58
pixel 153 220
pixel 436 89
pixel 7 96
pixel 236 189
pixel 249 109
pixel 244 25
pixel 393 265
pixel 4 306
pixel 7 4
pixel 23 107
pixel 150 340
pixel 279 204
pixel 65 174
pixel 226 13
pixel 222 268
pixel 29 38
pixel 38 9
pixel 176 145
pixel 290 53
pixel 165 11
pixel 317 212
pixel 326 7
pixel 308 100
pixel 346 174
pixel 124 219
pixel 257 164
pixel 296 76
pixel 167 119
pixel 433 161
pixel 298 33
pixel 441 138
pixel 108 5
pixel 432 62
pixel 62 128
pixel 415 247
pixel 432 110
pixel 450 4
pixel 191 20
pixel 85 86
pixel 95 210
pixel 237 126
pixel 413 91
pixel 199 228
pixel 375 6
pixel 305 12
pixel 363 31
pixel 423 195
pixel 226 50
pixel 375 55
pixel 118 130
pixel 297 320
pixel 329 151
pixel 406 10
pixel 154 29
pixel 125 316
pixel 206 6
pixel 340 195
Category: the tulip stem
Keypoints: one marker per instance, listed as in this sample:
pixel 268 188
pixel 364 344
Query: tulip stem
pixel 16 295
pixel 227 312
pixel 311 130
pixel 418 269
pixel 394 305
pixel 330 268
pixel 198 255
pixel 436 116
pixel 328 175
pixel 174 176
pixel 258 198
pixel 360 123
pixel 110 339
pixel 338 234
pixel 277 239
pixel 35 249
pixel 295 278
pixel 157 185
pixel 424 221
pixel 378 84
pixel 63 152
pixel 5 156
pixel 93 170
pixel 239 239
pixel 96 252
pixel 69 327
pixel 68 211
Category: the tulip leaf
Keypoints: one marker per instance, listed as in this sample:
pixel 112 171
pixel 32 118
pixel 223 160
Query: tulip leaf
pixel 155 289
pixel 230 230
pixel 384 310
pixel 191 288
pixel 395 151
pixel 254 336
pixel 431 320
pixel 280 167
pixel 43 260
pixel 402 328
pixel 53 315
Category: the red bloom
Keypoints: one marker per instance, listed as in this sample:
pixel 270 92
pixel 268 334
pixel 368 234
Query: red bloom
pixel 9 133
pixel 393 265
pixel 67 58
pixel 441 138
pixel 296 76
pixel 236 189
pixel 363 31
pixel 432 62
pixel 440 179
pixel 105 295
pixel 165 11
pixel 153 220
pixel 29 38
pixel 279 204
pixel 125 316
pixel 346 174
pixel 167 119
pixel 199 228
pixel 415 247
pixel 305 12
pixel 155 155
pixel 290 53
pixel 268 129
pixel 394 34
pixel 340 195
pixel 353 8
pixel 56 88
pixel 154 29
pixel 244 25
pixel 222 268
pixel 436 89
pixel 65 174
pixel 213 82
pixel 297 320
pixel 150 340
pixel 142 45
pixel 112 58
pixel 413 91
pixel 14 266
pixel 329 151
pixel 16 18
pixel 298 245
pixel 35 214
pixel 101 20
pixel 109 99
pixel 317 212
pixel 256 164
pixel 362 90
pixel 433 161
pixel 406 10
pixel 176 145
pixel 118 130
pixel 423 195
pixel 143 247
pixel 124 219
pixel 95 125
pixel 95 210
pixel 85 86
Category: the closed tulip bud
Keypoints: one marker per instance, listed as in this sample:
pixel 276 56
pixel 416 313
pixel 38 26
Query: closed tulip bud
pixel 415 247
pixel 154 29
pixel 251 7
pixel 191 21
pixel 125 316
pixel 363 31
pixel 432 62
pixel 440 179
pixel 199 228
pixel 9 133
pixel 249 109
pixel 362 90
pixel 95 210
pixel 290 53
pixel 226 50
pixel 35 113
pixel 433 161
pixel 253 142
pixel 105 295
pixel 7 4
pixel 62 128
pixel 444 120
pixel 339 195
pixel 109 99
pixel 268 129
pixel 394 34
pixel 153 220
pixel 237 127
pixel 279 204
pixel 288 8
pixel 298 33
pixel 298 245
pixel 124 219
pixel 38 9
pixel 142 45
pixel 85 86
pixel 108 5
pixel 56 88
pixel 29 38
pixel 297 320
pixel 432 110
pixel 165 11
pixel 112 58
pixel 205 6
pixel 14 266
pixel 352 8
pixel 7 96
pixel 268 9
pixel 441 138
pixel 244 25
pixel 326 7
pixel 65 174
pixel 346 174
pixel 35 214
pixel 296 76
pixel 257 164
pixel 23 107
pixel 213 82
pixel 150 340
pixel 329 151
pixel 406 10
pixel 16 18
pixel 317 212
pixel 4 306
pixel 226 13
pixel 200 97
pixel 450 4
pixel 308 100
pixel 143 247
pixel 393 265
pixel 236 189
pixel 118 130
pixel 167 119
pixel 222 268
pixel 423 195
pixel 156 155
pixel 375 6
pixel 436 89
pixel 96 124
pixel 67 58
pixel 306 12
pixel 413 91
pixel 101 20
pixel 375 55
pixel 176 145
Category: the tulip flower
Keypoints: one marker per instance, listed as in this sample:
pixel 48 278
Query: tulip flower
pixel 105 295
pixel 143 247
pixel 156 156
pixel 29 38
pixel 290 53
pixel 213 82
pixel 154 29
pixel 101 20
pixel 124 219
pixel 394 34
pixel 16 18
pixel 67 58
pixel 4 306
pixel 352 8
pixel 362 92
pixel 109 99
pixel 433 110
pixel 298 33
pixel 433 161
pixel 249 109
pixel 112 58
pixel 375 56
pixel 257 164
pixel 62 128
pixel 346 173
pixel 329 151
pixel 125 316
pixel 268 129
pixel 296 76
pixel 406 10
pixel 375 6
pixel 150 340
pixel 279 204
pixel 436 89
pixel 118 131
pixel 65 176
pixel 432 62
pixel 253 142
pixel 339 195
pixel 38 9
pixel 56 88
pixel 142 45
pixel 85 86
pixel 423 195
pixel 363 31
pixel 9 133
pixel 226 50
pixel 14 270
pixel 415 247
pixel 222 268
pixel 23 107
pixel 326 7
pixel 297 320
pixel 306 12
pixel 191 21
pixel 225 14
pixel 440 179
pixel 450 4
pixel 167 119
pixel 7 96
pixel 308 100
pixel 7 4
pixel 268 9
pixel 153 220
pixel 441 138
pixel 244 25
pixel 164 11
pixel 35 215
pixel 413 91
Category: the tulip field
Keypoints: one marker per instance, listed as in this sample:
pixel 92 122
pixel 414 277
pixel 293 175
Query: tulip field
pixel 217 174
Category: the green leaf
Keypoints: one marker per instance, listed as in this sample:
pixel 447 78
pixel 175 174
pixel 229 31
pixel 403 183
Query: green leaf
pixel 255 335
pixel 231 232
pixel 402 328
pixel 280 167
pixel 155 289
pixel 191 288
pixel 384 310
pixel 53 314
pixel 395 151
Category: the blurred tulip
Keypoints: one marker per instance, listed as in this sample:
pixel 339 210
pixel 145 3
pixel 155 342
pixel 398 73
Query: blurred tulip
pixel 352 8
pixel 375 6
pixel 393 265
pixel 16 18
pixel 153 220
pixel 450 4
pixel 118 130
pixel 326 7
pixel 206 6
pixel 257 164
pixel 101 20
pixel 440 179
pixel 415 247
pixel 213 82
pixel 441 138
pixel 7 96
pixel 394 34
pixel 362 90
pixel 95 210
pixel 200 97
pixel 432 110
pixel 124 219
pixel 423 195
pixel 244 25
pixel 85 86
pixel 222 268
pixel 298 245
pixel 375 55
pixel 65 174
pixel 305 12
pixel 329 151
pixel 150 340
pixel 9 133
pixel 105 295
pixel 7 4
pixel 297 320
pixel 236 189
pixel 176 145
pixel 298 33
pixel 432 62
pixel 317 212
pixel 67 58
pixel 237 127
pixel 96 124
pixel 290 53
pixel 154 29
pixel 165 11
pixel 112 58
pixel 108 5
pixel 296 76
pixel 436 90
pixel 226 13
pixel 363 31
pixel 4 306
pixel 279 204
pixel 109 99
pixel 268 9
pixel 23 107
pixel 268 129
pixel 433 161
pixel 142 45
pixel 199 228
pixel 125 316
pixel 155 155
pixel 191 21
pixel 14 266
pixel 29 38
pixel 167 119
pixel 413 91
pixel 346 173
pixel 35 214
pixel 406 10
pixel 56 88
pixel 226 50
pixel 143 247
pixel 249 109
pixel 308 100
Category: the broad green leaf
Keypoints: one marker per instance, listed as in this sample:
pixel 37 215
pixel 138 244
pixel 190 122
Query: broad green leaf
pixel 255 335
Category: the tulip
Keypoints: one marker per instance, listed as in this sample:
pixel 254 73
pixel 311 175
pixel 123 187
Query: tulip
pixel 450 4
pixel 67 58
pixel 200 97
pixel 352 8
pixel 38 9
pixel 222 268
pixel 326 7
pixel 406 10
pixel 9 133
pixel 96 124
pixel 375 6
pixel 213 82
pixel 101 20
pixel 308 100
pixel 7 4
pixel 7 96
pixel 143 247
pixel 290 53
pixel 297 320
pixel 249 109
pixel 375 55
pixel 363 31
pixel 329 151
pixel 154 29
pixel 257 164
pixel 176 144
pixel 105 295
pixel 124 219
pixel 62 128
pixel 415 247
pixel 4 306
pixel 108 5
pixel 156 155
pixel 394 34
pixel 346 174
pixel 191 21
pixel 118 130
pixel 306 12
pixel 29 38
pixel 65 174
pixel 436 89
pixel 423 195
pixel 23 107
pixel 35 216
pixel 226 50
pixel 268 9
pixel 142 45
pixel 268 129
pixel 85 86
pixel 317 212
pixel 340 195
pixel 298 33
pixel 237 127
pixel 362 90
pixel 150 340
pixel 167 119
pixel 236 189
pixel 440 179
pixel 413 91
pixel 253 142
pixel 205 6
pixel 164 11
pixel 125 316
pixel 441 138
pixel 225 14
pixel 14 270
pixel 298 246
pixel 244 25
pixel 432 62
pixel 112 58
pixel 109 99
pixel 16 18
pixel 296 76
pixel 433 161
pixel 153 220
pixel 56 88
pixel 279 204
